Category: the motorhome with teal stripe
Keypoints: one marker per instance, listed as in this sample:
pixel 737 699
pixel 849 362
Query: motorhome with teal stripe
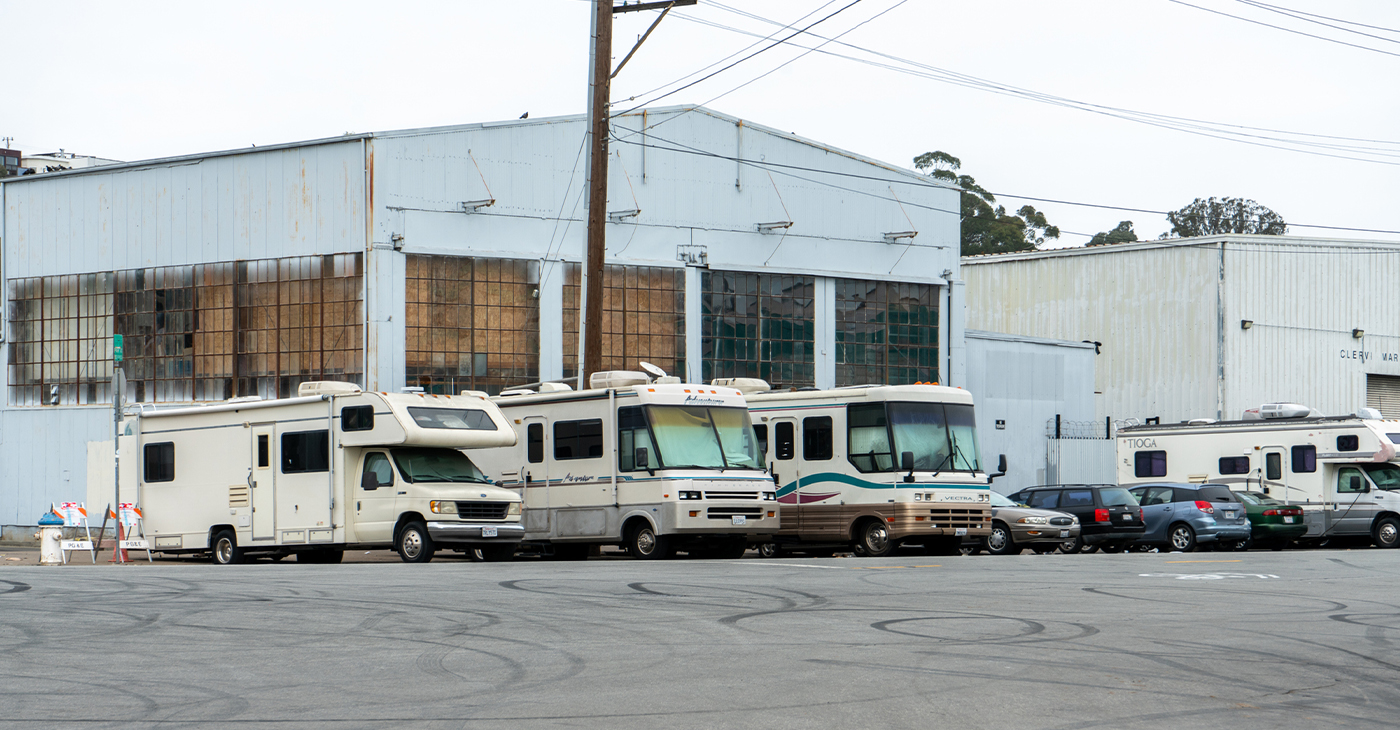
pixel 870 467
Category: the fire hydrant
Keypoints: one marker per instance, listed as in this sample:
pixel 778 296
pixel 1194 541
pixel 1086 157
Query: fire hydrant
pixel 50 539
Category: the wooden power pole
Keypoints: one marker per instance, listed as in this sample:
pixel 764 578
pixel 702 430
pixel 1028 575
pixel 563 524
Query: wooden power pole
pixel 599 86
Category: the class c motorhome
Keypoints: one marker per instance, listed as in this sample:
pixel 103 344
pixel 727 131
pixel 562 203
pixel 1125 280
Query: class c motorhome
pixel 870 467
pixel 1342 470
pixel 331 469
pixel 653 466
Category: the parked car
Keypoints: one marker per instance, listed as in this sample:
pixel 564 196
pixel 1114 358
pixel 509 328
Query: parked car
pixel 1016 527
pixel 1109 516
pixel 1273 524
pixel 1180 517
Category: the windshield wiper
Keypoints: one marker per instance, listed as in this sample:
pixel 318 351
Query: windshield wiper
pixel 692 466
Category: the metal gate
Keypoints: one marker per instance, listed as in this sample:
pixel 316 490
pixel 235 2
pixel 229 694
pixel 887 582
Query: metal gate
pixel 1080 452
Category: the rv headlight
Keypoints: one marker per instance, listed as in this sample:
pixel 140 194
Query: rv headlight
pixel 443 507
pixel 688 495
pixel 770 496
pixel 1034 521
pixel 513 508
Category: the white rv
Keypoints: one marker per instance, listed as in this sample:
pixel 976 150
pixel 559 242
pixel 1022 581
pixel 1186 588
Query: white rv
pixel 331 469
pixel 871 467
pixel 653 466
pixel 1342 470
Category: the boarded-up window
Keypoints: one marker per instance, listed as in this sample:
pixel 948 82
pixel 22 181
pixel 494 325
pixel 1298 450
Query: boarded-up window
pixel 643 318
pixel 473 324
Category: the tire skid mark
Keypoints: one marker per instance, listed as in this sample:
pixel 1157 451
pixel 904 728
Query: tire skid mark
pixel 15 587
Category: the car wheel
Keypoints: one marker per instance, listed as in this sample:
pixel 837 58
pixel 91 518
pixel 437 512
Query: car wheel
pixel 1114 547
pixel 1000 542
pixel 415 545
pixel 1182 538
pixel 1237 546
pixel 874 539
pixel 1044 549
pixel 770 550
pixel 644 544
pixel 1070 547
pixel 225 550
pixel 1387 533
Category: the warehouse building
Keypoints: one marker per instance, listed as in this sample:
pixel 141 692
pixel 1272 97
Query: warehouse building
pixel 449 259
pixel 1209 327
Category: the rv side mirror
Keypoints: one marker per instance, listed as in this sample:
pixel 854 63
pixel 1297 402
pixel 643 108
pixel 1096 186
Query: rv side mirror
pixel 642 458
pixel 369 481
pixel 1356 485
pixel 1001 468
pixel 906 463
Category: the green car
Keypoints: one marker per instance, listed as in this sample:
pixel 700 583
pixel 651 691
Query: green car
pixel 1274 524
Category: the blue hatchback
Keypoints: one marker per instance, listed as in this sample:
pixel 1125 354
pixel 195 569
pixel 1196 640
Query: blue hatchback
pixel 1179 517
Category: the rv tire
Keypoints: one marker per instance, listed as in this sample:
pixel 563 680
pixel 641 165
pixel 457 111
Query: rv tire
pixel 644 544
pixel 733 549
pixel 1387 532
pixel 225 550
pixel 873 537
pixel 415 545
pixel 770 550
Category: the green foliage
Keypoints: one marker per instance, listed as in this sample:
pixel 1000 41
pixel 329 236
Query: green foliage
pixel 1123 233
pixel 987 229
pixel 1213 216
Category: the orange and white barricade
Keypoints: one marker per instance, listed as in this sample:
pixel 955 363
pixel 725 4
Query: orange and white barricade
pixel 129 518
pixel 74 514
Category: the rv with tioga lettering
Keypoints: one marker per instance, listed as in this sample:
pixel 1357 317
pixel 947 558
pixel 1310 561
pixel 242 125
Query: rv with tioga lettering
pixel 652 466
pixel 331 469
pixel 871 467
pixel 1342 471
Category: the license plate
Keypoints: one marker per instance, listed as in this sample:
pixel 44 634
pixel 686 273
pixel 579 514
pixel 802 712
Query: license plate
pixel 1229 515
pixel 1288 520
pixel 488 532
pixel 740 520
pixel 1127 517
pixel 1064 533
pixel 960 531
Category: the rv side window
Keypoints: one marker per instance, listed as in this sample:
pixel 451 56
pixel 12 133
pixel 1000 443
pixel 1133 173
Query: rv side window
pixel 160 462
pixel 760 434
pixel 578 439
pixel 264 458
pixel 816 438
pixel 357 418
pixel 534 443
pixel 1304 459
pixel 306 451
pixel 1234 465
pixel 868 437
pixel 1273 466
pixel 1349 442
pixel 1150 463
pixel 632 434
pixel 783 441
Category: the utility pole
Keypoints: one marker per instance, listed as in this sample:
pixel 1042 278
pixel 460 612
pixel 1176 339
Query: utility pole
pixel 590 356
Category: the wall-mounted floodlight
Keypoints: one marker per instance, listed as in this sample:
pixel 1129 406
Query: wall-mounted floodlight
pixel 618 216
pixel 1246 324
pixel 472 206
pixel 774 226
pixel 1358 333
pixel 900 235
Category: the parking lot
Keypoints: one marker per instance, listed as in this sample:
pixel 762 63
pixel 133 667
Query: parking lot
pixel 1204 640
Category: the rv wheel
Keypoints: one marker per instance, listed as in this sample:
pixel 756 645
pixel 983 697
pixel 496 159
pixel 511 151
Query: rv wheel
pixel 1387 533
pixel 415 545
pixel 644 544
pixel 875 539
pixel 226 550
pixel 769 550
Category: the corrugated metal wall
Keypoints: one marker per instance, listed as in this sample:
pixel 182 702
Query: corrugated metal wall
pixel 1153 310
pixel 45 458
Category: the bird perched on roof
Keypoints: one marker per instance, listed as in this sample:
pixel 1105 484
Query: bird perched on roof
pixel 526 115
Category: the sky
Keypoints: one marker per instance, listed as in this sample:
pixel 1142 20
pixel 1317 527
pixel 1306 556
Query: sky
pixel 1293 103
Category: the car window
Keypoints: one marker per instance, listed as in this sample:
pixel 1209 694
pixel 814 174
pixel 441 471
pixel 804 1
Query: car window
pixel 1216 493
pixel 1077 498
pixel 1155 495
pixel 1117 497
pixel 1000 501
pixel 1043 499
pixel 1256 498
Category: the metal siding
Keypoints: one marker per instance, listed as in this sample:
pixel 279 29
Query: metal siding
pixel 46 458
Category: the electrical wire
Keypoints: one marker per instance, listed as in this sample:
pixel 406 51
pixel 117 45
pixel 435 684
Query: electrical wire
pixel 1315 15
pixel 1312 19
pixel 1286 30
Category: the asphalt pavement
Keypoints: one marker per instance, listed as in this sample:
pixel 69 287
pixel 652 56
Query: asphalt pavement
pixel 1201 640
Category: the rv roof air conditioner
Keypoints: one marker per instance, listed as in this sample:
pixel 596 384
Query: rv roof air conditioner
pixel 744 385
pixel 1369 414
pixel 554 387
pixel 1282 410
pixel 516 391
pixel 326 387
pixel 617 379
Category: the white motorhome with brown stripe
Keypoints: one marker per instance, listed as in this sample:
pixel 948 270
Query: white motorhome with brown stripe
pixel 331 469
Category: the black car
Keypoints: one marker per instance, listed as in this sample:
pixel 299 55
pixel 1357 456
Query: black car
pixel 1109 516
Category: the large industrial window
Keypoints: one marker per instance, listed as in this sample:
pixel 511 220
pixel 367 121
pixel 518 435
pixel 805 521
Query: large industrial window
pixel 190 333
pixel 306 451
pixel 758 326
pixel 886 332
pixel 643 318
pixel 473 324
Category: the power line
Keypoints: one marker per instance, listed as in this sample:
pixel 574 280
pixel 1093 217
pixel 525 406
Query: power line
pixel 1315 15
pixel 1310 18
pixel 1286 30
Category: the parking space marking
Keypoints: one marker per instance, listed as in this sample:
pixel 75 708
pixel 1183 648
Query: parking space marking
pixel 842 567
pixel 1203 561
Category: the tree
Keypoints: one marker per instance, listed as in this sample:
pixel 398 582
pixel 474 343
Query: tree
pixel 1123 233
pixel 1211 217
pixel 987 229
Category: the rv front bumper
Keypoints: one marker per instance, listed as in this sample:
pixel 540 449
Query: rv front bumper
pixel 473 532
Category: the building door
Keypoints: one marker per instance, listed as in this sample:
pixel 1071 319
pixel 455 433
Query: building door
pixel 262 480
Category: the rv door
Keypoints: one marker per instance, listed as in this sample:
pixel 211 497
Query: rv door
pixel 783 464
pixel 1274 477
pixel 534 475
pixel 1355 507
pixel 262 480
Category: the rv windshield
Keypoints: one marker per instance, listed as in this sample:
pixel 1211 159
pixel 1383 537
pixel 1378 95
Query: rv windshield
pixel 1386 476
pixel 942 436
pixel 703 438
pixel 437 465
